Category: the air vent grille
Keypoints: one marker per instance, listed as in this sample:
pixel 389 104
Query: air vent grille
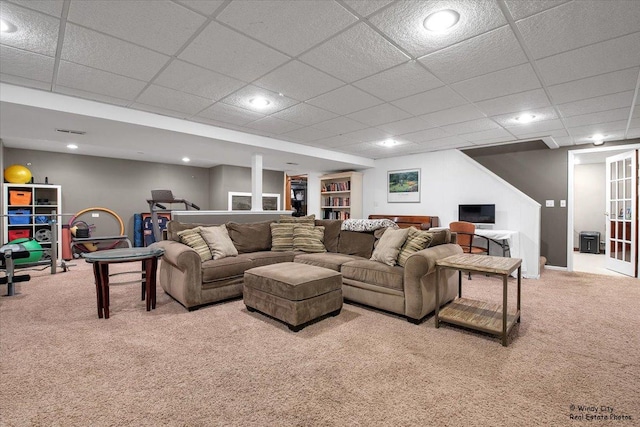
pixel 72 132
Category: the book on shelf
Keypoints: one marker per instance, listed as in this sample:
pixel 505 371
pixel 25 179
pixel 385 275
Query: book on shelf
pixel 342 215
pixel 336 186
pixel 336 201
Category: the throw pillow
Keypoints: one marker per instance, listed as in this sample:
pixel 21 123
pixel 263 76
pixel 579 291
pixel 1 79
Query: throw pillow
pixel 250 237
pixel 194 240
pixel 389 246
pixel 282 237
pixel 308 239
pixel 416 241
pixel 219 242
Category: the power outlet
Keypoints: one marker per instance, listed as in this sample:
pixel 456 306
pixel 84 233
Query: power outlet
pixel 95 215
pixel 550 203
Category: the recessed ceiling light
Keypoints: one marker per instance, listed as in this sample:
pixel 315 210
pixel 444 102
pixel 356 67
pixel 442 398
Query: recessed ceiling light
pixel 259 102
pixel 441 20
pixel 525 118
pixel 598 139
pixel 389 142
pixel 72 146
pixel 186 159
pixel 6 27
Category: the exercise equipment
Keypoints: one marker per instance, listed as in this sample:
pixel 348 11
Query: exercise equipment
pixel 17 174
pixel 9 255
pixel 33 248
pixel 80 233
pixel 158 197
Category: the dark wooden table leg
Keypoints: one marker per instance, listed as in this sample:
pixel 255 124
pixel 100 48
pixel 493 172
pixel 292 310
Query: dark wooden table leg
pixel 144 282
pixel 98 280
pixel 154 269
pixel 104 279
pixel 148 264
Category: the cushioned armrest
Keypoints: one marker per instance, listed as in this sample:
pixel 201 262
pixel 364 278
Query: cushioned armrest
pixel 180 272
pixel 179 255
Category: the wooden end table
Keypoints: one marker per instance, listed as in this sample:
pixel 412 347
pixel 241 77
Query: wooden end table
pixel 479 315
pixel 101 260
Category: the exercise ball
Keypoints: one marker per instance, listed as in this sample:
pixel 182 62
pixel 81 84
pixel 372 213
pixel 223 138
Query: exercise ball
pixel 17 174
pixel 31 245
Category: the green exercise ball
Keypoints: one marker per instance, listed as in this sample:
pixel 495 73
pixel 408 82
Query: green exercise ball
pixel 34 248
pixel 17 174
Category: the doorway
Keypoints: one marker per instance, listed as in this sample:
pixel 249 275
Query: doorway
pixel 297 195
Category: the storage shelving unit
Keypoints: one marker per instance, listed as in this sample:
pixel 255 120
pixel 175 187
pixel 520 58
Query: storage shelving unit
pixel 341 195
pixel 35 213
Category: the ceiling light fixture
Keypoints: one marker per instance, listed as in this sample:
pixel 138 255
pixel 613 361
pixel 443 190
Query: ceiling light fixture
pixel 6 27
pixel 441 21
pixel 525 118
pixel 598 139
pixel 389 142
pixel 72 146
pixel 186 159
pixel 259 102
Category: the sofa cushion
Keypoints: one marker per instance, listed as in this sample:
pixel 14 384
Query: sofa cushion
pixel 225 268
pixel 417 240
pixel 282 237
pixel 173 227
pixel 269 257
pixel 218 240
pixel 440 237
pixel 192 238
pixel 328 260
pixel 389 245
pixel 331 233
pixel 286 219
pixel 308 239
pixel 374 273
pixel 251 237
pixel 356 243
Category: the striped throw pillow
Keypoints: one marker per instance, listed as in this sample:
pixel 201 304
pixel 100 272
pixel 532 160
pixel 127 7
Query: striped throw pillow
pixel 417 240
pixel 281 237
pixel 308 239
pixel 194 240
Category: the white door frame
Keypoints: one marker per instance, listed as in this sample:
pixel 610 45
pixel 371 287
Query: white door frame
pixel 570 196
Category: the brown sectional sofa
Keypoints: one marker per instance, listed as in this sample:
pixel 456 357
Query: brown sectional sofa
pixel 408 291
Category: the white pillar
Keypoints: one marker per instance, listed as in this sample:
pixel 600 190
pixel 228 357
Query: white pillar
pixel 256 182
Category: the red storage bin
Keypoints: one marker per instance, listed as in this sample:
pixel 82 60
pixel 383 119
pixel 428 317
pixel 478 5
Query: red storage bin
pixel 19 198
pixel 19 234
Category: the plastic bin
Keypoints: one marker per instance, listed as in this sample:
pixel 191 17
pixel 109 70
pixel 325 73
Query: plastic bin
pixel 19 216
pixel 19 198
pixel 589 242
pixel 19 233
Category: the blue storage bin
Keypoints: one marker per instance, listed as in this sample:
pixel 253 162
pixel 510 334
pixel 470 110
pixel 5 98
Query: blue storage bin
pixel 19 216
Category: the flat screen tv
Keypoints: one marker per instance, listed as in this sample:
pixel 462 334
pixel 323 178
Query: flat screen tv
pixel 477 214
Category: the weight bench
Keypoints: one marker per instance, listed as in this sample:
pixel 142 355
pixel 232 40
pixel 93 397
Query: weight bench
pixel 8 253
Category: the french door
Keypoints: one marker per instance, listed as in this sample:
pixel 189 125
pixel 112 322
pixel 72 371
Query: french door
pixel 621 231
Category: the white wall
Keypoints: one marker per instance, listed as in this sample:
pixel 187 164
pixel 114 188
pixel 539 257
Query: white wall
pixel 450 178
pixel 590 200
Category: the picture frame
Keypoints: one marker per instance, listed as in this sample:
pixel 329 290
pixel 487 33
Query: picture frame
pixel 241 201
pixel 403 186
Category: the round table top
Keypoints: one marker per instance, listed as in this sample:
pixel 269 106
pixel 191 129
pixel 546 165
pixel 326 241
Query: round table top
pixel 123 254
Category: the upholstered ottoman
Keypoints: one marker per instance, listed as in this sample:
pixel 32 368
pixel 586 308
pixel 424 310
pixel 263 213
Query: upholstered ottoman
pixel 292 292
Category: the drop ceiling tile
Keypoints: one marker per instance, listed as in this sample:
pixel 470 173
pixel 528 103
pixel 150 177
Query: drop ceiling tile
pixel 242 98
pixel 518 102
pixel 555 134
pixel 27 65
pixel 399 82
pixel 78 93
pixel 379 114
pixel 600 103
pixel 368 135
pixel 355 148
pixel 305 114
pixel 340 125
pixel 591 60
pixel 333 141
pixel 403 23
pixel 165 27
pixel 606 129
pixel 542 127
pixel 96 50
pixel 521 9
pixel 159 110
pixel 432 100
pixel 463 113
pixel 273 125
pixel 634 131
pixel 35 32
pixel 158 96
pixel 298 81
pixel 485 135
pixel 308 134
pixel 345 100
pixel 577 24
pixel 50 7
pixel 264 20
pixel 470 126
pixel 185 77
pixel 488 52
pixel 204 7
pixel 229 114
pixel 228 52
pixel 354 54
pixel 405 126
pixel 493 141
pixel 427 135
pixel 598 117
pixel 87 79
pixel 541 114
pixel 564 142
pixel 21 81
pixel 366 7
pixel 500 83
pixel 447 142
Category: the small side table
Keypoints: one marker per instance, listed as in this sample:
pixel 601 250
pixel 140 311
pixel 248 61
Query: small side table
pixel 479 315
pixel 101 260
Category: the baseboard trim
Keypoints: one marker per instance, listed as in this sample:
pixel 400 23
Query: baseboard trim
pixel 553 267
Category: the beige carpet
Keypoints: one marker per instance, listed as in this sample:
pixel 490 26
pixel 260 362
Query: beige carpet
pixel 578 345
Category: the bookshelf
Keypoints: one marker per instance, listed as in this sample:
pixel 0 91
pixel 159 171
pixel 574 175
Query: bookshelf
pixel 341 195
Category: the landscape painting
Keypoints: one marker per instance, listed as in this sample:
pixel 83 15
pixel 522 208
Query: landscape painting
pixel 403 186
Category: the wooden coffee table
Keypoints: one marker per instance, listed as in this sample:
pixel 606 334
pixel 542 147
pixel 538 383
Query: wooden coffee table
pixel 480 315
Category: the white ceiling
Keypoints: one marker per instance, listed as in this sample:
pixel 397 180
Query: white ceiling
pixel 341 76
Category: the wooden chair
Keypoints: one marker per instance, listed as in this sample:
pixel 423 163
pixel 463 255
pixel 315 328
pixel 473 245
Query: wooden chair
pixel 465 236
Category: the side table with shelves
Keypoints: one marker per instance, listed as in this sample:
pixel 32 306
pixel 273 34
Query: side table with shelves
pixel 341 195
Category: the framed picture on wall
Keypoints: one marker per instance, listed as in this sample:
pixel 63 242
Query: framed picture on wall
pixel 239 201
pixel 403 186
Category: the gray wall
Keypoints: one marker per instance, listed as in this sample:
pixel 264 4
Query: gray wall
pixel 541 173
pixel 226 178
pixel 123 186
pixel 589 204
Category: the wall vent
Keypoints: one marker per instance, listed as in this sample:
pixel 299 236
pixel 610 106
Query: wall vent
pixel 72 132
